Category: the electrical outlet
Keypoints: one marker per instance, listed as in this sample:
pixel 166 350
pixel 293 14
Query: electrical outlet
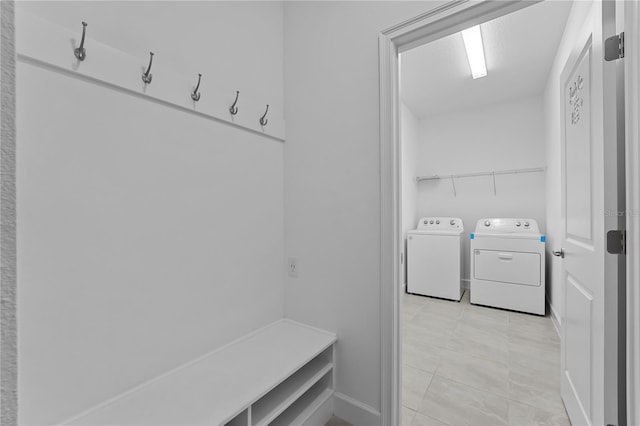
pixel 292 266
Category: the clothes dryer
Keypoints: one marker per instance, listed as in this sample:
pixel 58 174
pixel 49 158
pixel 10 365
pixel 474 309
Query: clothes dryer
pixel 508 265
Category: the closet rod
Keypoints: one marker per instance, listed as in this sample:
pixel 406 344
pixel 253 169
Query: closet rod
pixel 498 172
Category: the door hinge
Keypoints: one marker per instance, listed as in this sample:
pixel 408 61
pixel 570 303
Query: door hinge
pixel 614 47
pixel 617 242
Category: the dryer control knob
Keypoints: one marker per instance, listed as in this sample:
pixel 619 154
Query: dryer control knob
pixel 453 222
pixel 526 224
pixel 431 222
pixel 487 223
pixel 437 222
pixel 517 223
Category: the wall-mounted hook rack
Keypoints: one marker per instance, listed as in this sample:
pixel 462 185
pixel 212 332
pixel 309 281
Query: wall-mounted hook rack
pixel 233 109
pixel 263 119
pixel 147 76
pixel 195 95
pixel 80 51
pixel 45 44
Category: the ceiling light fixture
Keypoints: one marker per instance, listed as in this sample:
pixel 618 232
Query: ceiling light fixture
pixel 475 51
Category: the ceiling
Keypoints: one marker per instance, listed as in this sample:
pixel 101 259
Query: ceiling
pixel 519 51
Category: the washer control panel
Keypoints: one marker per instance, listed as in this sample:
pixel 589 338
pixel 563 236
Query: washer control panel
pixel 440 223
pixel 529 226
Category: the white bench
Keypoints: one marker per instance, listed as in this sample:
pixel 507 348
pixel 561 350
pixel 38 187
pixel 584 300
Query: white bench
pixel 281 374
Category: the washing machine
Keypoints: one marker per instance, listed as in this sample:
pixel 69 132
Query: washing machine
pixel 434 258
pixel 508 265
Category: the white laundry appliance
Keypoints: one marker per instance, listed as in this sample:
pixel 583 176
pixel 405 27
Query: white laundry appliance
pixel 508 265
pixel 434 258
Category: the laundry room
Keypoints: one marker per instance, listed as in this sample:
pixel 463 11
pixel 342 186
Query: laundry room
pixel 474 166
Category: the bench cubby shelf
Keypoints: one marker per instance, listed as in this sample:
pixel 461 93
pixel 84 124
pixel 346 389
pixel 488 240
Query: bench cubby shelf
pixel 281 374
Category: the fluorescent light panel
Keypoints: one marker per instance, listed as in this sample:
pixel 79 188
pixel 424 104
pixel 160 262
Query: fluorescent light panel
pixel 475 51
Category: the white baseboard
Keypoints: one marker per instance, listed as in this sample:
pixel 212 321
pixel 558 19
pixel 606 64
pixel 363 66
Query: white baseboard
pixel 354 411
pixel 321 414
pixel 555 319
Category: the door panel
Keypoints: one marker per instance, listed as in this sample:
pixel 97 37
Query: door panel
pixel 578 344
pixel 507 267
pixel 578 149
pixel 586 139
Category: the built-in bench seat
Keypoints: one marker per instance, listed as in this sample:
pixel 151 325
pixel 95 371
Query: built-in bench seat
pixel 281 374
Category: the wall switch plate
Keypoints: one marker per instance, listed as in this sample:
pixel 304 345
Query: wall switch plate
pixel 292 266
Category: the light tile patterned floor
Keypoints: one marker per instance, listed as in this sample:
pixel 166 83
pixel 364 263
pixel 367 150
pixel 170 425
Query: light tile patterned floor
pixel 465 364
pixel 337 421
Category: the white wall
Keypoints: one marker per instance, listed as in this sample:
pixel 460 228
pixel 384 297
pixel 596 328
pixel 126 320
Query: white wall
pixel 332 178
pixel 146 236
pixel 409 139
pixel 503 136
pixel 552 120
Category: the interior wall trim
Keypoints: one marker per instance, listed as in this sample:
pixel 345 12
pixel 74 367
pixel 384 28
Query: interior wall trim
pixel 632 136
pixel 555 318
pixel 354 411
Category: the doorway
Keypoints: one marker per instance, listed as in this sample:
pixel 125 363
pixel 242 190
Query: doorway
pixel 437 25
pixel 457 132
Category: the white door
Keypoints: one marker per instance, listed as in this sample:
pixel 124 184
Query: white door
pixel 588 132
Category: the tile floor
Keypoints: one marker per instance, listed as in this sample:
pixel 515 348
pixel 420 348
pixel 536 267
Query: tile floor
pixel 337 421
pixel 465 364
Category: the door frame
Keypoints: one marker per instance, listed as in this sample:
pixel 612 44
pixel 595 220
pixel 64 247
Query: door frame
pixel 632 136
pixel 439 22
pixel 446 19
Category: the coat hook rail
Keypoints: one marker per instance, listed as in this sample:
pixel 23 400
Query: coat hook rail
pixel 233 109
pixel 147 76
pixel 263 119
pixel 492 173
pixel 195 95
pixel 81 52
pixel 54 47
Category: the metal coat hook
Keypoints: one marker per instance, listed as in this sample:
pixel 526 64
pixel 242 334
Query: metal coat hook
pixel 146 77
pixel 234 109
pixel 80 52
pixel 263 119
pixel 453 183
pixel 195 95
pixel 494 182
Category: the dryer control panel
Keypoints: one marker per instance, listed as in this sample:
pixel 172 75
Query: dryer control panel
pixel 440 223
pixel 508 225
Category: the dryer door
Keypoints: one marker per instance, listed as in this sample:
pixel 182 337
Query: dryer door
pixel 511 267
